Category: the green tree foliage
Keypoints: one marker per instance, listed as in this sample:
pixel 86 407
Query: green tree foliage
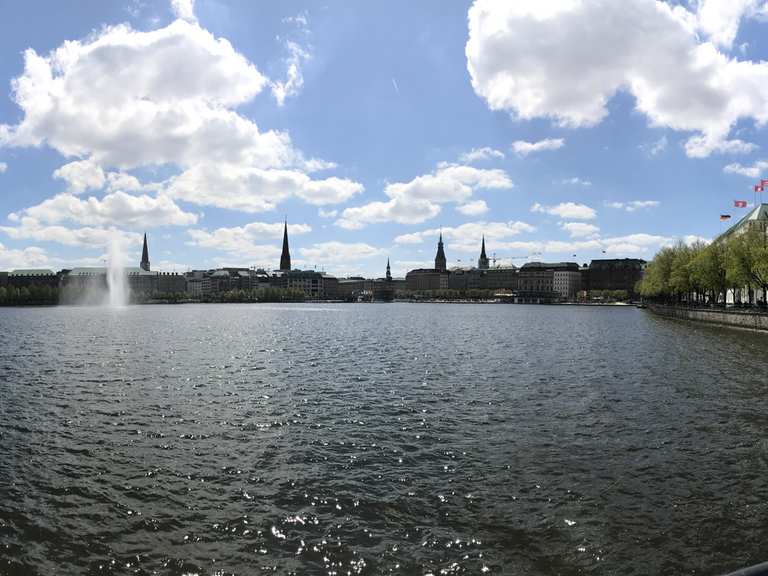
pixel 28 296
pixel 703 274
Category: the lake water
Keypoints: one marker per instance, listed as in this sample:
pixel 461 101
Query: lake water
pixel 379 439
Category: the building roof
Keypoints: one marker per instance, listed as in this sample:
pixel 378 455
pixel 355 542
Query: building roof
pixel 32 272
pixel 551 266
pixel 758 213
pixel 101 270
pixel 613 262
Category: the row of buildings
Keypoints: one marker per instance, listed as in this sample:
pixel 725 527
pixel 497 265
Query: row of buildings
pixel 537 282
pixel 534 282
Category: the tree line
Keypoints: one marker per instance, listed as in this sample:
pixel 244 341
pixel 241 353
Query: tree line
pixel 703 274
pixel 28 295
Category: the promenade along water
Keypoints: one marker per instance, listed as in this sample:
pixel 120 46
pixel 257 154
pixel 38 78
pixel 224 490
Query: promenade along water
pixel 378 439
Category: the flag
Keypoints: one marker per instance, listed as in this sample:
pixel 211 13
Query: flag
pixel 758 187
pixel 725 216
pixel 763 183
pixel 740 203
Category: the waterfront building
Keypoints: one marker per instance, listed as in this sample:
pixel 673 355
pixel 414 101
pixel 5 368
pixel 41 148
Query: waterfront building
pixel 537 281
pixel 566 282
pixel 430 279
pixel 144 265
pixel 482 262
pixel 614 274
pixel 440 261
pixel 32 277
pixel 315 285
pixel 383 288
pixel 757 218
pixel 285 256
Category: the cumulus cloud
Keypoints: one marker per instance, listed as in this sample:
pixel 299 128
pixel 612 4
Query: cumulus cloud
pixel 339 253
pixel 254 189
pixel 3 167
pixel 580 229
pixel 251 240
pixel 565 60
pixel 523 148
pixel 81 175
pixel 719 20
pixel 31 257
pixel 567 211
pixel 115 209
pixel 419 199
pixel 480 154
pixel 467 236
pixel 184 9
pixel 756 170
pixel 475 208
pixel 85 237
pixel 633 205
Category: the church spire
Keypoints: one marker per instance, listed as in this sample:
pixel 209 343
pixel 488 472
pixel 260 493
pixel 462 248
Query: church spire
pixel 145 255
pixel 389 272
pixel 285 257
pixel 440 262
pixel 482 262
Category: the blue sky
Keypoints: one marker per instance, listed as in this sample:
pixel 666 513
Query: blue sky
pixel 562 130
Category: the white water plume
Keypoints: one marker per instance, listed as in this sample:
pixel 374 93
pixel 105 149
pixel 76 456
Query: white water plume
pixel 117 280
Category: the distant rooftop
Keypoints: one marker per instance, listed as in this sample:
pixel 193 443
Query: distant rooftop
pixel 32 272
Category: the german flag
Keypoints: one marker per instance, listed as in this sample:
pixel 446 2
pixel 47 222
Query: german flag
pixel 725 216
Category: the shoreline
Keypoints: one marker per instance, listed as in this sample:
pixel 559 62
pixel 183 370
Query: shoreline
pixel 745 320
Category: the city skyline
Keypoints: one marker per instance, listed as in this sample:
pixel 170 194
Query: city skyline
pixel 373 129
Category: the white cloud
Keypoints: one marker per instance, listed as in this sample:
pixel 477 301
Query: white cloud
pixel 31 257
pixel 251 240
pixel 475 208
pixel 327 213
pixel 756 170
pixel 703 146
pixel 576 181
pixel 523 148
pixel 124 182
pixel 81 175
pixel 254 189
pixel 419 199
pixel 128 98
pixel 294 81
pixel 3 167
pixel 184 9
pixel 339 253
pixel 580 229
pixel 87 237
pixel 567 211
pixel 479 154
pixel 535 60
pixel 633 205
pixel 467 236
pixel 720 19
pixel 115 209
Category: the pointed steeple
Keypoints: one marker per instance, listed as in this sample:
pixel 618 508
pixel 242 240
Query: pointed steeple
pixel 145 255
pixel 440 262
pixel 389 272
pixel 482 262
pixel 285 257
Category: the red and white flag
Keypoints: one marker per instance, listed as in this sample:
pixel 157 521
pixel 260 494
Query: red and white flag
pixel 758 187
pixel 763 183
pixel 740 203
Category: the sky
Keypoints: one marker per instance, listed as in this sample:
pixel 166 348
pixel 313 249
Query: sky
pixel 561 130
